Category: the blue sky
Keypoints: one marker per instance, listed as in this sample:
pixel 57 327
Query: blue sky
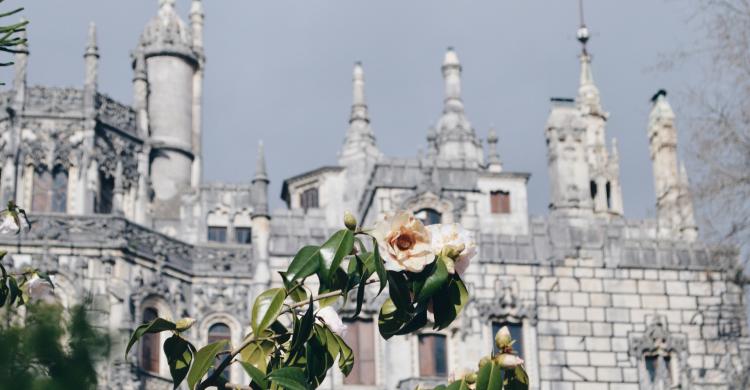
pixel 280 71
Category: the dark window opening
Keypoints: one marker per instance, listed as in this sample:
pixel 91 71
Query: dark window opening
pixel 516 332
pixel 50 191
pixel 428 216
pixel 500 202
pixel 217 233
pixel 594 190
pixel 433 359
pixel 243 235
pixel 103 201
pixel 309 199
pixel 150 348
pixel 609 195
pixel 360 337
pixel 218 332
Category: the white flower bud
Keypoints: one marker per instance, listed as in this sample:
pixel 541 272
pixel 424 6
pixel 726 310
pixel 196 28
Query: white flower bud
pixel 503 338
pixel 184 323
pixel 506 360
pixel 40 290
pixel 331 319
pixel 12 223
pixel 350 221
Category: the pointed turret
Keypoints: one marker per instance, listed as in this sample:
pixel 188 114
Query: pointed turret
pixel 662 136
pixel 456 139
pixel 261 216
pixel 588 94
pixel 91 57
pixel 21 63
pixel 197 16
pixel 173 105
pixel 360 140
pixel 493 159
pixel 688 228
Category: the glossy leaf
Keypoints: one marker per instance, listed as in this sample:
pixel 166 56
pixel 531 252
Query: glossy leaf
pixel 304 264
pixel 332 253
pixel 203 360
pixel 435 281
pixel 257 376
pixel 267 307
pixel 302 331
pixel 379 266
pixel 179 355
pixel 398 290
pixel 291 378
pixel 155 326
pixel 490 377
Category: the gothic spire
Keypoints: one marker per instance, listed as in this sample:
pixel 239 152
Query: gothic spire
pixel 21 62
pixel 452 78
pixel 360 139
pixel 493 159
pixel 260 165
pixel 92 50
pixel 197 15
pixel 588 94
pixel 359 106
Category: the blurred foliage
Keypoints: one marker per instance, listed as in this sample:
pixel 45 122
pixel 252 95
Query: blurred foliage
pixel 49 349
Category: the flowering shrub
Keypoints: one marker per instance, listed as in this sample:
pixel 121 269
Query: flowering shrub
pixel 296 335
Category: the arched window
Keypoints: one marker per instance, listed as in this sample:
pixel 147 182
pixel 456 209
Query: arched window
pixel 360 337
pixel 243 231
pixel 106 194
pixel 150 344
pixel 516 333
pixel 309 199
pixel 428 216
pixel 609 195
pixel 433 355
pixel 594 190
pixel 50 190
pixel 218 332
pixel 500 202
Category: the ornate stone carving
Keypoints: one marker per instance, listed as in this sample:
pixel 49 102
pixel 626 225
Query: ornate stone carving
pixel 54 100
pixel 115 114
pixel 111 149
pixel 666 350
pixel 507 307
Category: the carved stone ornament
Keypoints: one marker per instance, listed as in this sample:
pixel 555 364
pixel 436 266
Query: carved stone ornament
pixel 54 100
pixel 111 149
pixel 507 307
pixel 657 340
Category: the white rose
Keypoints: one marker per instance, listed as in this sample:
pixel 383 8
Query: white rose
pixel 8 223
pixel 507 360
pixel 404 242
pixel 331 319
pixel 455 236
pixel 40 290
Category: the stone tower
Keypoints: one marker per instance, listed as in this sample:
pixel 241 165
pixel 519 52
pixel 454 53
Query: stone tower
pixel 566 159
pixel 673 204
pixel 604 182
pixel 456 139
pixel 172 65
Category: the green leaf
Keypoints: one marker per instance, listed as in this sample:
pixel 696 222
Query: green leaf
pixel 346 356
pixel 332 253
pixel 458 385
pixel 203 360
pixel 155 326
pixel 302 331
pixel 294 289
pixel 15 292
pixel 291 378
pixel 517 379
pixel 305 263
pixel 379 266
pixel 398 290
pixel 267 307
pixel 256 375
pixel 415 323
pixel 434 281
pixel 449 302
pixel 179 355
pixel 490 377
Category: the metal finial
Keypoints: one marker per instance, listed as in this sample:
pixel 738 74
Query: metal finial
pixel 583 31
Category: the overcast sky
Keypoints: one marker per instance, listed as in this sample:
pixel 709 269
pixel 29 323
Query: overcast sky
pixel 280 71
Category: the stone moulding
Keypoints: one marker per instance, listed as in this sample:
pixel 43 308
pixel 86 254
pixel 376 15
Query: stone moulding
pixel 114 232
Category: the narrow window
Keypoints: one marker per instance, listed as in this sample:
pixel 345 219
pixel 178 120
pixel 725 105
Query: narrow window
pixel 359 336
pixel 609 195
pixel 106 194
pixel 593 189
pixel 516 332
pixel 428 216
pixel 217 233
pixel 219 332
pixel 309 199
pixel 659 369
pixel 243 235
pixel 42 188
pixel 433 359
pixel 150 347
pixel 500 202
pixel 59 190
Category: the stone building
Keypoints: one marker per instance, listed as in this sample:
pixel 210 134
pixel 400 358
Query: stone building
pixel 597 301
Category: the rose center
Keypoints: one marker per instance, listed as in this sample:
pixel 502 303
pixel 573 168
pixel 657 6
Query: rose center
pixel 404 242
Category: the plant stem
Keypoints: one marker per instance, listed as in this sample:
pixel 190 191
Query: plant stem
pixel 228 359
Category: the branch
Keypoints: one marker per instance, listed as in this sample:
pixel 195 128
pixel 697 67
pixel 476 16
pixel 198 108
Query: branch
pixel 228 359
